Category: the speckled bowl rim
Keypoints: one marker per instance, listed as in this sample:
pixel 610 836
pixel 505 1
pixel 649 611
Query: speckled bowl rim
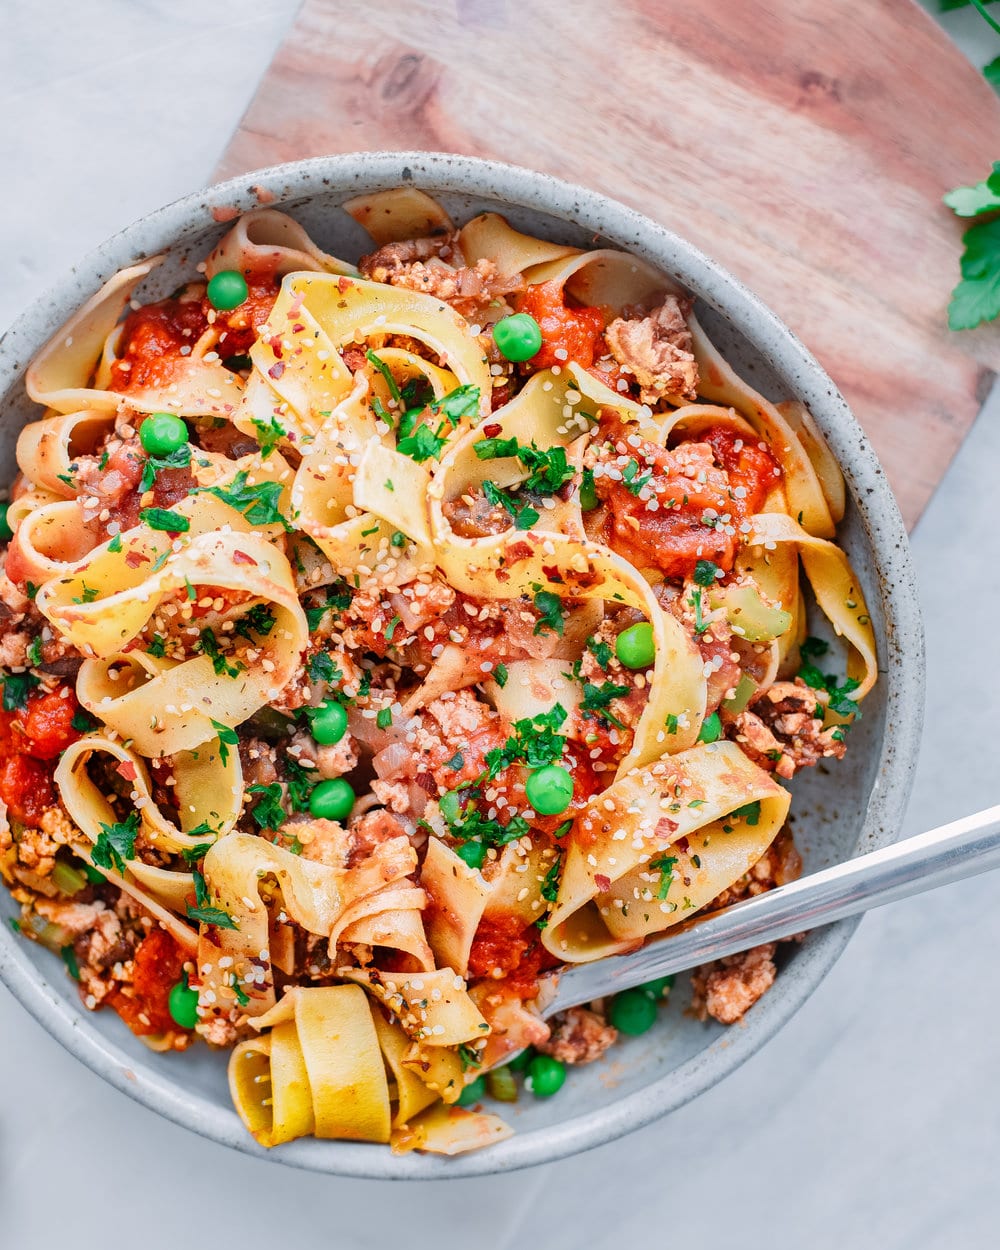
pixel 903 666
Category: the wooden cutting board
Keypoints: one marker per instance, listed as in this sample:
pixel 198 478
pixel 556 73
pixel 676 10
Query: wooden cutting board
pixel 805 145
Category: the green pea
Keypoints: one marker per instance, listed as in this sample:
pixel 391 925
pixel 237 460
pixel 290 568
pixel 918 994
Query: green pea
pixel 474 853
pixel 183 1004
pixel 655 988
pixel 547 1076
pixel 332 800
pixel 227 290
pixel 474 1092
pixel 635 647
pixel 451 805
pixel 6 533
pixel 162 433
pixel 711 729
pixel 520 1062
pixel 328 722
pixel 549 790
pixel 632 1012
pixel 518 337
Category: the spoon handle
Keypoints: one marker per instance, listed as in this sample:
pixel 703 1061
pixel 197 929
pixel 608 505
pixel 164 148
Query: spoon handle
pixel 952 852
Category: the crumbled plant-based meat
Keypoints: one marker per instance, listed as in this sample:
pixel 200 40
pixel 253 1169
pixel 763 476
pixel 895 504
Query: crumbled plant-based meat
pixel 782 730
pixel 657 349
pixel 579 1035
pixel 727 989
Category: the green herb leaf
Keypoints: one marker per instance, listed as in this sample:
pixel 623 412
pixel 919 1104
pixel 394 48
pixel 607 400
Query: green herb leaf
pixel 705 573
pixel 549 606
pixel 259 504
pixel 664 865
pixel 500 675
pixel 524 515
pixel 258 622
pixel 209 645
pixel 157 647
pixel 268 812
pixel 338 599
pixel 598 699
pixel 16 688
pixel 300 782
pixel 212 915
pixel 115 544
pixel 227 738
pixel 495 448
pixel 750 812
pixel 977 296
pixel 116 843
pixel 384 718
pixel 179 459
pixel 601 651
pixel 269 434
pixel 164 519
pixel 422 444
pixel 463 401
pixel 322 667
pixel 386 373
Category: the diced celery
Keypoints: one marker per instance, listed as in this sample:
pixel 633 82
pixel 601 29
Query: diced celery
pixel 501 1085
pixel 750 617
pixel 68 879
pixel 745 688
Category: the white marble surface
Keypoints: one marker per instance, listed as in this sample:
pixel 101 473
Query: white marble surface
pixel 872 1120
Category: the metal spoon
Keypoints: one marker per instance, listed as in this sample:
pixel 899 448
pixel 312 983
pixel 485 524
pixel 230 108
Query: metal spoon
pixel 961 849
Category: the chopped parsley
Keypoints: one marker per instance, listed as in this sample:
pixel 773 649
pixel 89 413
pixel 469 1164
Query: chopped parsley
pixel 269 434
pixel 601 651
pixel 83 722
pixel 337 600
pixel 179 459
pixel 631 479
pixel 260 620
pixel 456 762
pixel 664 865
pixel 300 783
pixel 534 740
pixel 212 915
pixel 398 539
pixel 322 667
pixel 259 504
pixel 115 544
pixel 164 519
pixel 157 647
pixel 89 594
pixel 812 648
pixel 840 701
pixel 268 813
pixel 470 825
pixel 208 644
pixel 390 629
pixel 700 624
pixel 750 812
pixel 384 719
pixel 386 373
pixel 34 652
pixel 462 402
pixel 550 885
pixel 470 1058
pixel 705 573
pixel 500 675
pixel 16 688
pixel 116 843
pixel 227 738
pixel 548 469
pixel 598 699
pixel 549 606
pixel 423 444
pixel 524 516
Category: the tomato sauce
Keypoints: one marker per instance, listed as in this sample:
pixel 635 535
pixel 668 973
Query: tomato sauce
pixel 30 738
pixel 576 331
pixel 750 466
pixel 145 1007
pixel 153 335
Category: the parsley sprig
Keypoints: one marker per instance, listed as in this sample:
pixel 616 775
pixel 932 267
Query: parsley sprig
pixel 116 843
pixel 259 504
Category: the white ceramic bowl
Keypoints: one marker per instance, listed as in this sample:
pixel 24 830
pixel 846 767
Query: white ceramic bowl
pixel 852 806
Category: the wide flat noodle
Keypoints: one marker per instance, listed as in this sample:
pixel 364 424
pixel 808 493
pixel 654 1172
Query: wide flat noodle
pixel 319 1071
pixel 611 893
pixel 314 895
pixel 266 241
pixel 399 214
pixel 165 707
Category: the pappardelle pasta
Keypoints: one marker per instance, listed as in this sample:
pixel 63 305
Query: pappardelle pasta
pixel 377 640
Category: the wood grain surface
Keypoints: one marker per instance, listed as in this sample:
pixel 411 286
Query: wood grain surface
pixel 805 144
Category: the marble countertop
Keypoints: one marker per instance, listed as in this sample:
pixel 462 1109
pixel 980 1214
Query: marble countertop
pixel 871 1121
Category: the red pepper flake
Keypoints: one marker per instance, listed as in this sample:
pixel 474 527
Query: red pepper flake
pixel 241 557
pixel 664 826
pixel 553 573
pixel 134 558
pixel 492 429
pixel 602 882
pixel 126 769
pixel 274 343
pixel 276 370
pixel 344 284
